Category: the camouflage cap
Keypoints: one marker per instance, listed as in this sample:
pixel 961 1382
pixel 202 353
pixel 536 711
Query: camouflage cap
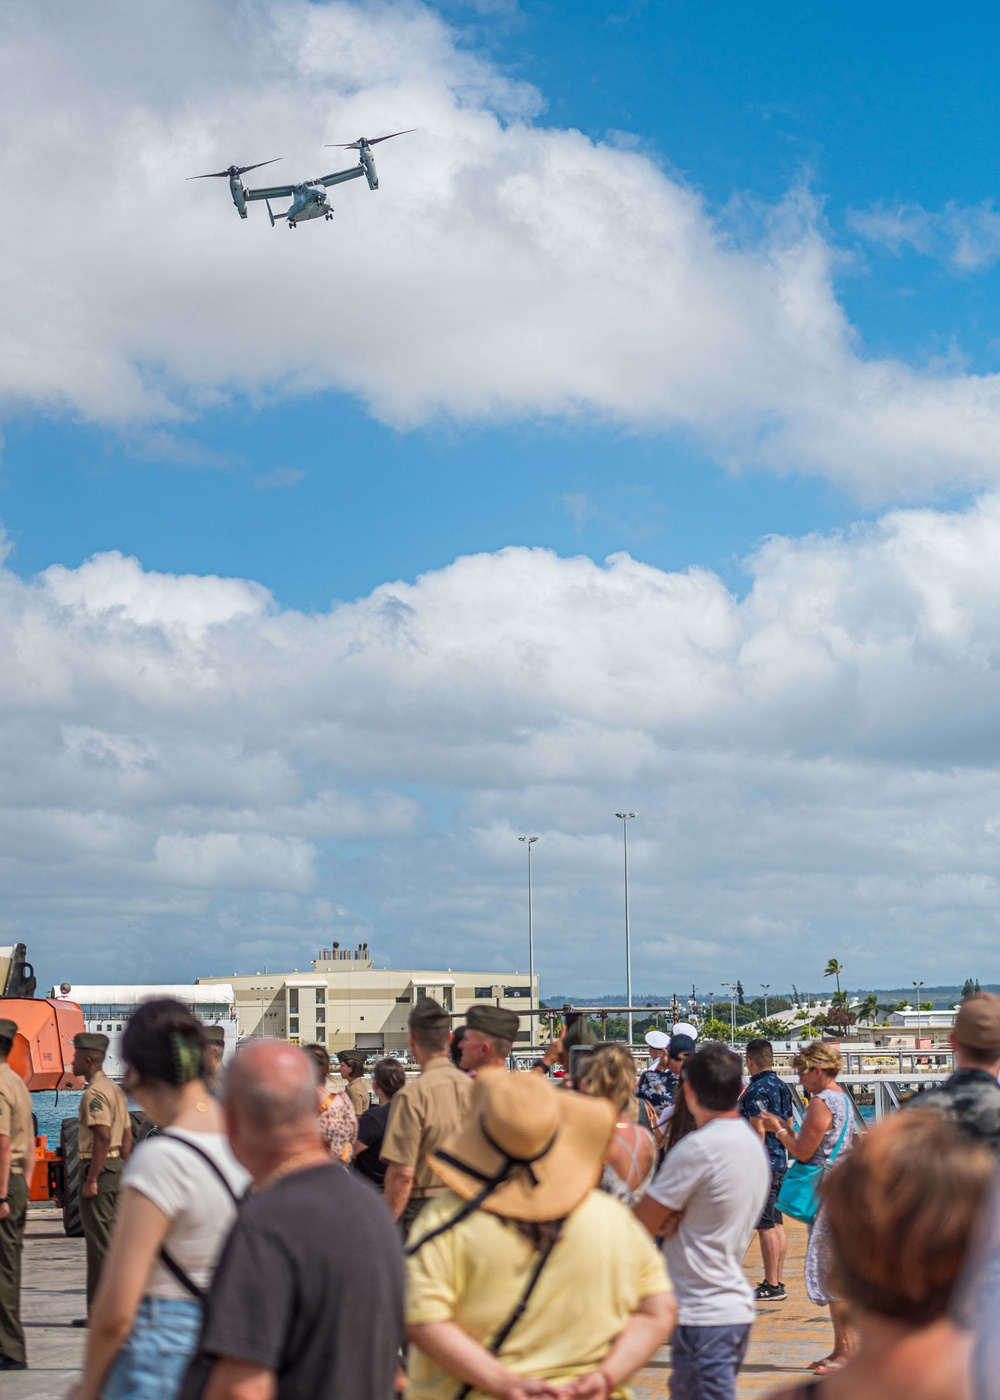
pixel 215 1035
pixel 89 1040
pixel 428 1015
pixel 8 1030
pixel 977 1023
pixel 493 1020
pixel 353 1057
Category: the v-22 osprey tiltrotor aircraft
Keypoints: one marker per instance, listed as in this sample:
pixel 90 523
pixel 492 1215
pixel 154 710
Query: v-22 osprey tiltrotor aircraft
pixel 308 198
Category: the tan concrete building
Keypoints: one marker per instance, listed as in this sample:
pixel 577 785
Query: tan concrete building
pixel 346 1003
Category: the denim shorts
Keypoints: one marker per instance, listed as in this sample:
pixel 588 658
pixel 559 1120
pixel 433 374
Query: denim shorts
pixel 151 1364
pixel 706 1360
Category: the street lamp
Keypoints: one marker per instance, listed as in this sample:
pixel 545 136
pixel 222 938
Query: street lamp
pixel 918 985
pixel 732 1007
pixel 765 988
pixel 625 818
pixel 529 841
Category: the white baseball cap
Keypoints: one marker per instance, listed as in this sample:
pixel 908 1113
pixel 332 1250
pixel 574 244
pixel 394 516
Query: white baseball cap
pixel 657 1040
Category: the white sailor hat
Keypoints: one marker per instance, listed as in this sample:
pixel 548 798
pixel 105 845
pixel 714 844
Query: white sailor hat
pixel 685 1028
pixel 657 1040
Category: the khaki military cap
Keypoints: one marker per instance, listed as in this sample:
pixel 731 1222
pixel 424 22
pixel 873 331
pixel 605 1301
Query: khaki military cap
pixel 977 1023
pixel 352 1057
pixel 8 1030
pixel 427 1015
pixel 215 1035
pixel 493 1020
pixel 88 1040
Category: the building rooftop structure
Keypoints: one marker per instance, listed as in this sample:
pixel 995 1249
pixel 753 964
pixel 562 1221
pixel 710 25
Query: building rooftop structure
pixel 347 1003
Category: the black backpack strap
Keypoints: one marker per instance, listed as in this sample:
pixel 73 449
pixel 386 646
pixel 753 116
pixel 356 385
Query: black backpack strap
pixel 522 1303
pixel 166 1259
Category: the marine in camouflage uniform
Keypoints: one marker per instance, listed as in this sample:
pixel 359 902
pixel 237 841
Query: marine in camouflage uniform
pixel 105 1138
pixel 971 1097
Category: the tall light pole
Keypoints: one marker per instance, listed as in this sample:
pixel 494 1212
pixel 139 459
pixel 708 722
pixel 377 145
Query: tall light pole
pixel 529 841
pixel 918 985
pixel 732 1009
pixel 625 818
pixel 765 987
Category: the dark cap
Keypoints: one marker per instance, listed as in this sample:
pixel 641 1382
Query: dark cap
pixel 427 1015
pixel 493 1020
pixel 977 1023
pixel 352 1057
pixel 215 1035
pixel 8 1030
pixel 88 1040
pixel 581 1032
pixel 680 1045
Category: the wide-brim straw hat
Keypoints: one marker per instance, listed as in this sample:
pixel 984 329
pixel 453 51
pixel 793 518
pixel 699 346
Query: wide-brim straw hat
pixel 544 1147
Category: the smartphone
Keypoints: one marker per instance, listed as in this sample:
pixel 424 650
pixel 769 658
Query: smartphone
pixel 578 1056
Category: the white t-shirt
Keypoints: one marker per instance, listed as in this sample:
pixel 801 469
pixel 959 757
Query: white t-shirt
pixel 186 1189
pixel 719 1177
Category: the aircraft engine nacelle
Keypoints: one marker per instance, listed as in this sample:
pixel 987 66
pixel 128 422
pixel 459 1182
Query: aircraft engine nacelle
pixel 371 174
pixel 239 196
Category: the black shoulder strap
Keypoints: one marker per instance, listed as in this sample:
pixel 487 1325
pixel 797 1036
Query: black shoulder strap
pixel 522 1303
pixel 166 1259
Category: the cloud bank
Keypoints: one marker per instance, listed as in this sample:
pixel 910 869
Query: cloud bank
pixel 506 269
pixel 198 780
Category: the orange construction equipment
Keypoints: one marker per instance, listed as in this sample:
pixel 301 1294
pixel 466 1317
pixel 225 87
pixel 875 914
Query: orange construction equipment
pixel 42 1053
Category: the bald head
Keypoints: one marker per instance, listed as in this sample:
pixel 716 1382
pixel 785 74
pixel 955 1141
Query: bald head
pixel 271 1088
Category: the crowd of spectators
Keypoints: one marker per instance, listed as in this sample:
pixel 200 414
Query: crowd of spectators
pixel 477 1232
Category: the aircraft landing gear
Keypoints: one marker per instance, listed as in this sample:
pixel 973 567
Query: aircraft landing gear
pixel 328 217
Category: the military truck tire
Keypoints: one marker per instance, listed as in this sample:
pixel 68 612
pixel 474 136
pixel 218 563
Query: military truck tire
pixel 69 1150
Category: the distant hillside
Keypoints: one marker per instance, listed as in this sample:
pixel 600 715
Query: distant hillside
pixel 940 996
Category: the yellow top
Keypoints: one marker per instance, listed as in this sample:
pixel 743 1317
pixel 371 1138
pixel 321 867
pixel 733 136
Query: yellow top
pixel 603 1264
pixel 16 1121
pixel 102 1102
pixel 425 1112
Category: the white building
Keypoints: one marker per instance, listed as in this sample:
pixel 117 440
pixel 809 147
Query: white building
pixel 107 1007
pixel 347 1003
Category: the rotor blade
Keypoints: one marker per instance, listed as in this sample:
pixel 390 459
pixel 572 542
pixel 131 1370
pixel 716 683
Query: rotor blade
pixel 356 145
pixel 242 169
pixel 233 171
pixel 391 135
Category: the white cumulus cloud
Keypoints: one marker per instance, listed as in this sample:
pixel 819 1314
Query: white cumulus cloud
pixel 505 269
pixel 196 779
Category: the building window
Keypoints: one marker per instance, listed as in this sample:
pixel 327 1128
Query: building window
pixel 321 1016
pixel 293 1026
pixel 483 992
pixel 421 992
pixel 293 1001
pixel 403 1001
pixel 515 991
pixel 320 996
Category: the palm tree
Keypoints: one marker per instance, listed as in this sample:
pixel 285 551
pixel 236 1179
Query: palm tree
pixel 868 1008
pixel 834 969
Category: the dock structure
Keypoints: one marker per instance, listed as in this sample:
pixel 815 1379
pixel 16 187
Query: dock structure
pixel 785 1338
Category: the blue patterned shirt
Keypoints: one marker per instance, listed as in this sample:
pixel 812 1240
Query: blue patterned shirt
pixel 658 1087
pixel 766 1093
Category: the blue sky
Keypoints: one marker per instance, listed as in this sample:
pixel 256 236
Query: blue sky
pixel 706 289
pixel 742 101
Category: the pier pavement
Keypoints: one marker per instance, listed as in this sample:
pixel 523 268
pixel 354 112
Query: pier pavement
pixel 785 1337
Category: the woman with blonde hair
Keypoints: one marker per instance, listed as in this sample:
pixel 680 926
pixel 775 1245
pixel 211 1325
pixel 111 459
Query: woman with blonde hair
pixel 901 1212
pixel 824 1137
pixel 631 1156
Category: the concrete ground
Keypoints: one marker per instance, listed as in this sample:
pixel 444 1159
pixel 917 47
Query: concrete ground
pixel 785 1338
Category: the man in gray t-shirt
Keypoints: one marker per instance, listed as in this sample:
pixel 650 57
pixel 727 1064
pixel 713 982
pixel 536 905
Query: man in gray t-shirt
pixel 706 1200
